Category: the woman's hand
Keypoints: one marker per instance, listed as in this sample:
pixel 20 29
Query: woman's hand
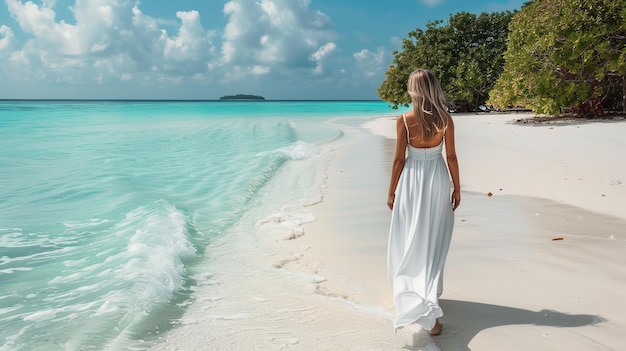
pixel 390 200
pixel 455 199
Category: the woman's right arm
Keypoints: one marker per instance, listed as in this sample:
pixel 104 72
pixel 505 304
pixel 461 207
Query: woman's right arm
pixel 398 160
pixel 453 164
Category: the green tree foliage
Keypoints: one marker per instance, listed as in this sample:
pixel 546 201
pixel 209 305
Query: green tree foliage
pixel 466 55
pixel 565 54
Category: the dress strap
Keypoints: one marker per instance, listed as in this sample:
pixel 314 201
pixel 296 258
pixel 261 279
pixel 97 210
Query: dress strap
pixel 407 127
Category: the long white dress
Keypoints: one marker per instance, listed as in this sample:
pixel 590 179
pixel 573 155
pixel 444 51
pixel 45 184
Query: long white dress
pixel 419 236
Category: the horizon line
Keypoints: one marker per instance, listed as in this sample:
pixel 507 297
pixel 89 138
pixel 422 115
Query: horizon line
pixel 189 100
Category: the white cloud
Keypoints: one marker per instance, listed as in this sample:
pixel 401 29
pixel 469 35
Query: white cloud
pixel 371 64
pixel 260 70
pixel 18 58
pixel 106 44
pixel 280 34
pixel 320 54
pixel 432 2
pixel 6 39
pixel 323 51
pixel 30 16
pixel 191 39
pixel 109 41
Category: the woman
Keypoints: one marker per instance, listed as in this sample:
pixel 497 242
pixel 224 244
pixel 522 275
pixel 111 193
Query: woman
pixel 422 206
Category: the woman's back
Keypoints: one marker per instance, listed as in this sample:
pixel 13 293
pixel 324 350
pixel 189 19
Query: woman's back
pixel 414 134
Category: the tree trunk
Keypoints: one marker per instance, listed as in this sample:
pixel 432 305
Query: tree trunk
pixel 624 94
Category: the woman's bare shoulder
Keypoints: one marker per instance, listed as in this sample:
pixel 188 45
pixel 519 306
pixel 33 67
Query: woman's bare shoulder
pixel 449 121
pixel 399 120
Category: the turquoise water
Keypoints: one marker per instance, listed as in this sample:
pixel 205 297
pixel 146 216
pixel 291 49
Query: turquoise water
pixel 105 207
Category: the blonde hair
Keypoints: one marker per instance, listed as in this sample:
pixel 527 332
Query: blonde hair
pixel 429 103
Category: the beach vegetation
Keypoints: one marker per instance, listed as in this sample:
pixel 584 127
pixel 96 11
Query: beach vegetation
pixel 466 54
pixel 242 97
pixel 565 56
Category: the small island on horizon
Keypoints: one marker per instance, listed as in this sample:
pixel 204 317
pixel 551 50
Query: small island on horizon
pixel 242 97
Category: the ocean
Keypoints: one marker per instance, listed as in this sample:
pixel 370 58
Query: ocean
pixel 110 211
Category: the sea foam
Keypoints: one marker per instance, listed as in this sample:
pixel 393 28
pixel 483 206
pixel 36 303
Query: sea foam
pixel 299 151
pixel 152 265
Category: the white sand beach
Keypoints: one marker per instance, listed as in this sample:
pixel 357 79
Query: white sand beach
pixel 508 284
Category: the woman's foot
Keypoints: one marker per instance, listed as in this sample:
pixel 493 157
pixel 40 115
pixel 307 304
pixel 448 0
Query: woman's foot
pixel 436 330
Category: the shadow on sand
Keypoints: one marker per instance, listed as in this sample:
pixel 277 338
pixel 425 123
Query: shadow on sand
pixel 475 317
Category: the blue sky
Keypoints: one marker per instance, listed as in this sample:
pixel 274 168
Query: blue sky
pixel 192 49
